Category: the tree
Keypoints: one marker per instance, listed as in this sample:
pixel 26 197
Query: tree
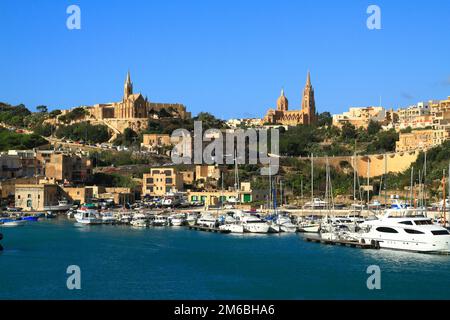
pixel 42 109
pixel 348 131
pixel 53 114
pixel 324 119
pixel 373 128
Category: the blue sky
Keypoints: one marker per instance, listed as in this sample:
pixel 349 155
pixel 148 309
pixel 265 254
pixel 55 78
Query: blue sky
pixel 230 58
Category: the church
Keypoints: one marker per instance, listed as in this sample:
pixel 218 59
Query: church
pixel 282 115
pixel 133 110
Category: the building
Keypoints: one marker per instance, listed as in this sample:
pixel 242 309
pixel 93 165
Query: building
pixel 64 167
pixel 361 116
pixel 79 194
pixel 420 140
pixel 416 116
pixel 34 197
pixel 133 111
pixel 282 115
pixel 120 196
pixel 10 166
pixel 188 177
pixel 30 167
pixel 161 181
pixel 205 172
pixel 211 198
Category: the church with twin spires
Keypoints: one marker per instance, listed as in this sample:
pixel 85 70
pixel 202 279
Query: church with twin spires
pixel 283 116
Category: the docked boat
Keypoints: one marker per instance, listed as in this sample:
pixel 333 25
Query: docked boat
pixel 253 224
pixel 108 218
pixel 177 220
pixel 316 203
pixel 63 205
pixel 191 218
pixel 139 220
pixel 88 217
pixel 30 218
pixel 160 221
pixel 207 220
pixel 400 230
pixel 235 227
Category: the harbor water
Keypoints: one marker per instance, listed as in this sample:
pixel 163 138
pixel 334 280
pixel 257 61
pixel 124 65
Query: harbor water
pixel 121 262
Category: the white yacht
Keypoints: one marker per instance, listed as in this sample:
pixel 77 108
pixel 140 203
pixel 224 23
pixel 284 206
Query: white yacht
pixel 160 221
pixel 234 227
pixel 87 217
pixel 191 218
pixel 63 205
pixel 177 220
pixel 139 220
pixel 400 230
pixel 108 218
pixel 254 224
pixel 285 224
pixel 207 220
pixel 317 203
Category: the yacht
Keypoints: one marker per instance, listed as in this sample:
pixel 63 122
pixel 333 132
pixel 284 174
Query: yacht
pixel 317 203
pixel 253 224
pixel 62 205
pixel 87 217
pixel 233 227
pixel 191 218
pixel 108 218
pixel 401 230
pixel 207 220
pixel 177 220
pixel 160 221
pixel 139 220
pixel 285 224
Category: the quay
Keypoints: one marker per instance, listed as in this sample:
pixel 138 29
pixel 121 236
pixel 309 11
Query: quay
pixel 346 243
pixel 208 229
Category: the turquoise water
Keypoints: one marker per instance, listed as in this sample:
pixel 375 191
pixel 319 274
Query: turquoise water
pixel 119 262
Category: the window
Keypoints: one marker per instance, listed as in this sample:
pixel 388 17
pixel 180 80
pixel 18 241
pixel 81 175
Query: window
pixel 412 231
pixel 440 232
pixel 18 197
pixel 423 222
pixel 409 223
pixel 29 196
pixel 168 180
pixel 386 230
pixel 149 180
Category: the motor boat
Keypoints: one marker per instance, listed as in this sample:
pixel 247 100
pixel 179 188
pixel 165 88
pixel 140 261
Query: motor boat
pixel 317 203
pixel 108 218
pixel 177 220
pixel 253 224
pixel 88 217
pixel 400 230
pixel 191 218
pixel 285 224
pixel 139 220
pixel 207 220
pixel 235 227
pixel 63 205
pixel 12 222
pixel 32 218
pixel 160 221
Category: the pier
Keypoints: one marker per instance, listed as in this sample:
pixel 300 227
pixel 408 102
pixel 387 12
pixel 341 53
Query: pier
pixel 346 243
pixel 208 229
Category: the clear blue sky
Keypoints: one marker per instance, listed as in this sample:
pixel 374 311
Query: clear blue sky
pixel 227 57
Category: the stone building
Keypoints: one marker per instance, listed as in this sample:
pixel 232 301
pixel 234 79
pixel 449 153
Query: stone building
pixel 161 181
pixel 360 117
pixel 282 114
pixel 133 111
pixel 34 197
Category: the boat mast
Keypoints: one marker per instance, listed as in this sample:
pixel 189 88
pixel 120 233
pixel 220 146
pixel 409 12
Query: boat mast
pixel 368 182
pixel 385 180
pixel 443 196
pixel 312 181
pixel 424 184
pixel 411 188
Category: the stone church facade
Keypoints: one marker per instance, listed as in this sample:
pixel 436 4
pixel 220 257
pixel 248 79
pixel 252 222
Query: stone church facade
pixel 133 111
pixel 282 115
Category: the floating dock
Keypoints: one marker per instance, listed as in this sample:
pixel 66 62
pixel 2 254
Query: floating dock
pixel 208 229
pixel 346 243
